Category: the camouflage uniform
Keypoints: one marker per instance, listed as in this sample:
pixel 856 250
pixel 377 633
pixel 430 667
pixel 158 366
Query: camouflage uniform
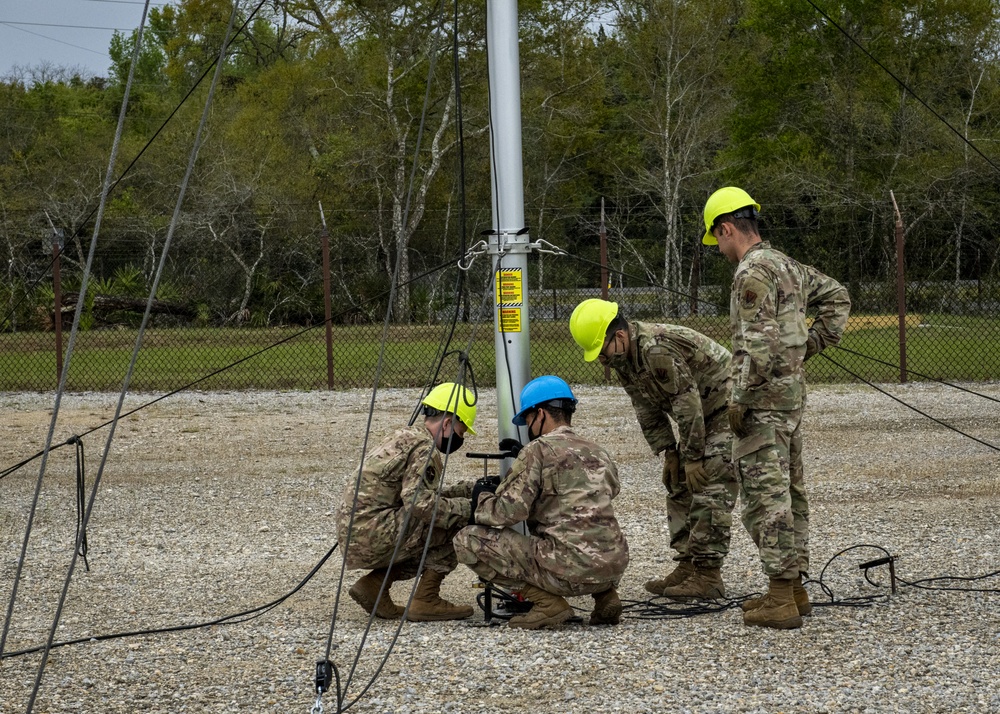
pixel 771 340
pixel 562 485
pixel 405 464
pixel 675 373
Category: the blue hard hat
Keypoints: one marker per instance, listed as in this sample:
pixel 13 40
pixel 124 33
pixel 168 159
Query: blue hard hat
pixel 541 390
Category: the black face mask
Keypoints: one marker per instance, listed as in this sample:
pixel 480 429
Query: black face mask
pixel 453 444
pixel 617 360
pixel 532 437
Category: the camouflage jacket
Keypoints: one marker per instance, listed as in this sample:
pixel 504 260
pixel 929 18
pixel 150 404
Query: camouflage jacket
pixel 403 466
pixel 675 372
pixel 562 485
pixel 767 313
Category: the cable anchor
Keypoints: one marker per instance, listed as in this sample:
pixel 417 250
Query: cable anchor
pixel 471 254
pixel 324 677
pixel 890 561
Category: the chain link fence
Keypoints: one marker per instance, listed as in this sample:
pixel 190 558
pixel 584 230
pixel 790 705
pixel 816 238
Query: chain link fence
pixel 952 328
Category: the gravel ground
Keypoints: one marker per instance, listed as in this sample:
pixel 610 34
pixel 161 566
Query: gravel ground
pixel 215 503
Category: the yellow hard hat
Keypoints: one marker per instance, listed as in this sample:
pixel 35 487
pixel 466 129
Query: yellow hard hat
pixel 589 325
pixel 726 200
pixel 455 399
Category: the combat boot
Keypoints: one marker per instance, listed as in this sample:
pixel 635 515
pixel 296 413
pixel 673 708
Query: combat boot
pixel 799 594
pixel 427 604
pixel 676 577
pixel 547 610
pixel 702 583
pixel 777 608
pixel 607 608
pixel 365 593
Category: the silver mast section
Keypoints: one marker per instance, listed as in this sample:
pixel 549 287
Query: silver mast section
pixel 509 243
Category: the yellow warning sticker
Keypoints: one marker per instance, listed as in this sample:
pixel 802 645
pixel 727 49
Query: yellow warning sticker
pixel 509 289
pixel 510 319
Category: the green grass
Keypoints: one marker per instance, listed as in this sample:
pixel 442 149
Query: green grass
pixel 944 347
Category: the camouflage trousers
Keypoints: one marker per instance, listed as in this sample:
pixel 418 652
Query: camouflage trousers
pixel 701 523
pixel 775 509
pixel 503 556
pixel 440 552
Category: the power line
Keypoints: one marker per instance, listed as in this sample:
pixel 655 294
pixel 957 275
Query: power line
pixel 53 39
pixel 75 27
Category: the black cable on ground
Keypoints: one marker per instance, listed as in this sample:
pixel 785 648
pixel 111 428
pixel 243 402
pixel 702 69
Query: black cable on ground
pixel 236 618
pixel 663 608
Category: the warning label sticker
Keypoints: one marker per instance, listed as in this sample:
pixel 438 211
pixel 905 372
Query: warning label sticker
pixel 510 319
pixel 509 288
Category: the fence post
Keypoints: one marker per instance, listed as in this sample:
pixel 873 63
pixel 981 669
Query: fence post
pixel 695 275
pixel 604 273
pixel 900 291
pixel 327 303
pixel 58 241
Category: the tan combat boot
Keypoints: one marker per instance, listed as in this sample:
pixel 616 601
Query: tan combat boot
pixel 607 608
pixel 547 610
pixel 676 577
pixel 427 604
pixel 799 594
pixel 702 583
pixel 777 608
pixel 365 593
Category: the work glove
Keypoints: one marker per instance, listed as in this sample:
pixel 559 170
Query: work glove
pixel 487 484
pixel 696 475
pixel 737 419
pixel 510 447
pixel 671 469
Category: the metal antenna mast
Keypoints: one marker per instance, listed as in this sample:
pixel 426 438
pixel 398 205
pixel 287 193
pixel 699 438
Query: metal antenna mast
pixel 509 243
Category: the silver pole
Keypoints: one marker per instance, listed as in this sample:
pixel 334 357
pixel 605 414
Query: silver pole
pixel 509 243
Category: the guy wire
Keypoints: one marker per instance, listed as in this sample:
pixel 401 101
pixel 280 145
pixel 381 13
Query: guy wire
pixel 903 84
pixel 382 345
pixel 69 353
pixel 459 380
pixel 908 406
pixel 145 320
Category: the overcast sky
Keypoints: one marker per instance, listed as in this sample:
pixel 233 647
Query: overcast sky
pixel 57 31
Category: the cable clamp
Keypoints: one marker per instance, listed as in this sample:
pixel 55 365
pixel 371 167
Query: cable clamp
pixel 471 254
pixel 543 246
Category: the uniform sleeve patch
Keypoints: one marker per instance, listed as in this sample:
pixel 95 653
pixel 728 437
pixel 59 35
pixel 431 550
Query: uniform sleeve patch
pixel 752 291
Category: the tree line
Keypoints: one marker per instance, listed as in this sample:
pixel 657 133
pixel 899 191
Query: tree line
pixel 645 107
